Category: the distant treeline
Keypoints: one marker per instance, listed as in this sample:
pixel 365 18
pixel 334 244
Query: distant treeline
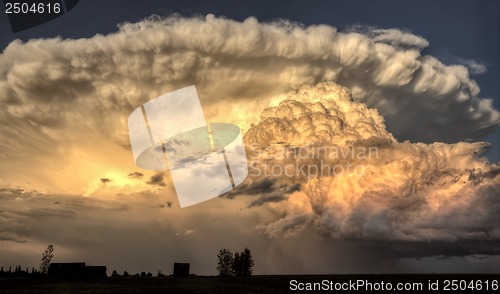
pixel 19 272
pixel 26 272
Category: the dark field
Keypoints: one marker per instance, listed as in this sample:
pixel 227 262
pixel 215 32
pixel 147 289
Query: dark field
pixel 257 284
pixel 254 284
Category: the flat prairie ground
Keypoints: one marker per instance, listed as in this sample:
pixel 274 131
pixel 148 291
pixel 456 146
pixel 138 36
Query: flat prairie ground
pixel 198 284
pixel 254 284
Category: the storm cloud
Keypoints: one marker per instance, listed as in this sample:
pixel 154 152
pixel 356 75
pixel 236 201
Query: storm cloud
pixel 64 105
pixel 402 191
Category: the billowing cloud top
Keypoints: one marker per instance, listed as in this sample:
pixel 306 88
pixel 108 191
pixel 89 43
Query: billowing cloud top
pixel 358 182
pixel 324 114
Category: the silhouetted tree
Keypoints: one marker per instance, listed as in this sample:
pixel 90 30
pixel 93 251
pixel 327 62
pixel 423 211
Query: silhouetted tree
pixel 225 264
pixel 114 274
pixel 243 263
pixel 237 265
pixel 247 262
pixel 46 258
pixel 125 274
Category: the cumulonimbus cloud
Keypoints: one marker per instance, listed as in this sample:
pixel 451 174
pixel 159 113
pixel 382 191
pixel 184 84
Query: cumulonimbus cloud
pixel 53 89
pixel 393 190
